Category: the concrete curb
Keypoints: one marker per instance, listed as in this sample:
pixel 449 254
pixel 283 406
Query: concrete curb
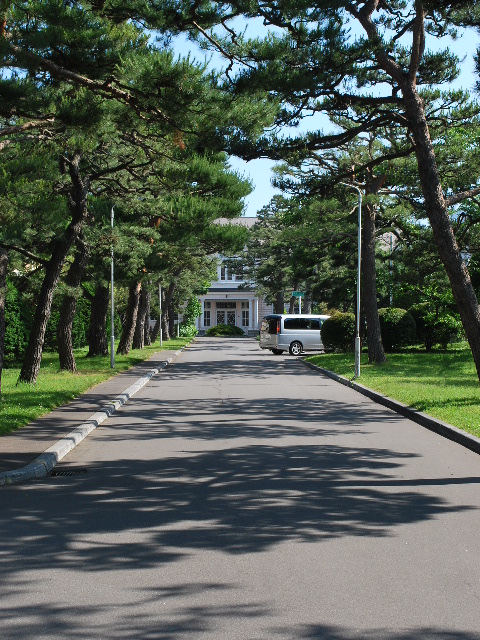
pixel 46 461
pixel 442 428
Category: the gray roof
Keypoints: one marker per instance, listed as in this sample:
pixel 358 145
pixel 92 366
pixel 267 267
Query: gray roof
pixel 243 222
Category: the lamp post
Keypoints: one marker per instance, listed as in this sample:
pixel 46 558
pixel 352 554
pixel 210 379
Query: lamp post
pixel 160 312
pixel 112 308
pixel 357 335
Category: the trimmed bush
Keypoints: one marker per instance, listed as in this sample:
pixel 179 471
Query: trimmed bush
pixel 397 327
pixel 225 330
pixel 338 332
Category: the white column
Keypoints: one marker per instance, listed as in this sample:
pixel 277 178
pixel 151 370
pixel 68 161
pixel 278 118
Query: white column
pixel 257 323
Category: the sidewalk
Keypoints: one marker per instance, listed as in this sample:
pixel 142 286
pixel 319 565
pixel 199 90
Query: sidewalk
pixel 61 429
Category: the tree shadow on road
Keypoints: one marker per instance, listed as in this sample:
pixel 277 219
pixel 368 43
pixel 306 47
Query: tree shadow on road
pixel 238 500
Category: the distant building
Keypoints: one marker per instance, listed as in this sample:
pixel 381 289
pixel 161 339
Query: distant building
pixel 232 298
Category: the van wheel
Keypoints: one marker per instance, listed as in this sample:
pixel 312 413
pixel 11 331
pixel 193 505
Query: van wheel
pixel 277 352
pixel 295 348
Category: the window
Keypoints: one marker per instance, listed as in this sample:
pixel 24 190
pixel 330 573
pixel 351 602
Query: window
pixel 226 305
pixel 302 323
pixel 271 325
pixel 206 318
pixel 231 269
pixel 245 317
pixel 239 271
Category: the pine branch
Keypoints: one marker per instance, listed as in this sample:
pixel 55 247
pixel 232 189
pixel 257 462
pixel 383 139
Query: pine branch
pixel 106 88
pixel 24 252
pixel 460 197
pixel 27 126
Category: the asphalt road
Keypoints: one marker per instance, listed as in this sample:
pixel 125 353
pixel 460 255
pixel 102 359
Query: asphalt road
pixel 242 496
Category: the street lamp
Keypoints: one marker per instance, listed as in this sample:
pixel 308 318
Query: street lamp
pixel 160 312
pixel 112 310
pixel 357 336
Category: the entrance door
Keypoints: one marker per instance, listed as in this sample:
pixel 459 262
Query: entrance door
pixel 225 316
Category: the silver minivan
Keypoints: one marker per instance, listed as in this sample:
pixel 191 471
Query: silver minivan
pixel 292 333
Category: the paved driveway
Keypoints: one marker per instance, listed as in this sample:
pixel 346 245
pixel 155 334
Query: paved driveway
pixel 243 496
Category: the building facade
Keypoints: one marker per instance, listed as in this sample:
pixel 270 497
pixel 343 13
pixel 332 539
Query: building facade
pixel 232 299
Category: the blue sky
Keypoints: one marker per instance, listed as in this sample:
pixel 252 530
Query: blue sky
pixel 260 171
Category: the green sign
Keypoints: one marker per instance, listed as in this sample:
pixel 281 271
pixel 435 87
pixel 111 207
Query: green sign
pixel 297 294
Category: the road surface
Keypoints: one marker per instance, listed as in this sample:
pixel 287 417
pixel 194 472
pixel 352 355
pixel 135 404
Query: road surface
pixel 243 496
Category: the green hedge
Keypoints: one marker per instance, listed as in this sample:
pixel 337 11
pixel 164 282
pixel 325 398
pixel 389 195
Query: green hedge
pixel 225 330
pixel 338 332
pixel 435 327
pixel 397 327
pixel 18 321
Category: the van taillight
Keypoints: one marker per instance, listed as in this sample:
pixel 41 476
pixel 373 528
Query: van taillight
pixel 278 326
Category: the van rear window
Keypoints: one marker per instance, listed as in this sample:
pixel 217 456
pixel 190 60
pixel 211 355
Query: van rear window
pixel 270 325
pixel 302 323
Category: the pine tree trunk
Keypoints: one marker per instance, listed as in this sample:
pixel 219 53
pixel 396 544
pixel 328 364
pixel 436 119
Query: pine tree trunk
pixel 147 338
pixel 437 213
pixel 168 320
pixel 33 353
pixel 307 303
pixel 279 304
pixel 139 335
pixel 78 209
pixel 171 320
pixel 97 331
pixel 128 331
pixel 164 317
pixel 156 331
pixel 291 308
pixel 376 353
pixel 69 307
pixel 3 295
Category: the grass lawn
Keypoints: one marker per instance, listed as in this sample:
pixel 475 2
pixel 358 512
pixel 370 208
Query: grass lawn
pixel 441 384
pixel 20 404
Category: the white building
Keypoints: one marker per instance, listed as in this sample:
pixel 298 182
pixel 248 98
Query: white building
pixel 232 299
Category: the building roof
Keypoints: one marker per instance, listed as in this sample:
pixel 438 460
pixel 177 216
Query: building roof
pixel 243 222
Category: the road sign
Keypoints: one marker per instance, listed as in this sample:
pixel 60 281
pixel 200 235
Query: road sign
pixel 298 294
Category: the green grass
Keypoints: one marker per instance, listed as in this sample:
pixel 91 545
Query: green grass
pixel 22 403
pixel 441 384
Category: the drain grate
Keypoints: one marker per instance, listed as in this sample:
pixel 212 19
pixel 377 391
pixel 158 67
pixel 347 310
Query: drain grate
pixel 67 472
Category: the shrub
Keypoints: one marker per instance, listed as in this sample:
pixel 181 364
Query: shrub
pixel 397 327
pixel 433 326
pixel 80 324
pixel 338 332
pixel 187 330
pixel 190 314
pixel 448 329
pixel 17 325
pixel 225 330
pixel 192 311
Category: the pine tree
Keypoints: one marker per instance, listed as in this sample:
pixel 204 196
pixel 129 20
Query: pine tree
pixel 327 57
